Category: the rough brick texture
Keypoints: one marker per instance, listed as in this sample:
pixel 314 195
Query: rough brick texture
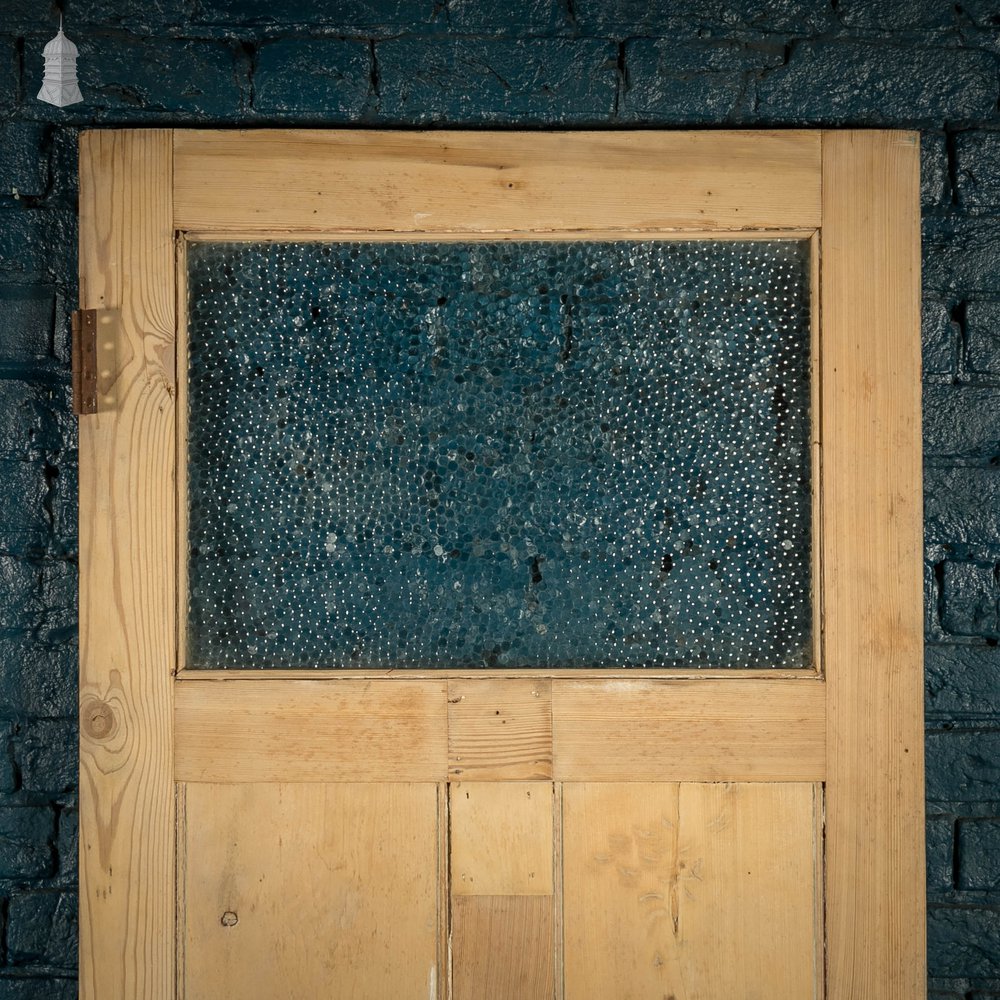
pixel 926 64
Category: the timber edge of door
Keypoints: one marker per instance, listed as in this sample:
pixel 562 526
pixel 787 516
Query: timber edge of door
pixel 857 189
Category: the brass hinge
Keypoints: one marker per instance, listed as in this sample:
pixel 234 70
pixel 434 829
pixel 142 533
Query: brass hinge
pixel 95 338
pixel 84 361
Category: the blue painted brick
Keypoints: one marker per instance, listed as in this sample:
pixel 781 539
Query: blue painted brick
pixel 46 754
pixel 68 842
pixel 962 255
pixel 962 682
pixel 665 17
pixel 36 679
pixel 34 419
pixel 982 337
pixel 961 421
pixel 979 854
pixel 500 80
pixel 940 854
pixel 27 317
pixel 977 170
pixel 516 17
pixel 43 929
pixel 41 595
pixel 971 599
pixel 962 505
pixel 898 15
pixel 963 941
pixel 23 165
pixel 698 82
pixel 37 988
pixel 346 17
pixel 38 240
pixel 194 80
pixel 938 337
pixel 851 82
pixel 62 500
pixel 150 18
pixel 935 186
pixel 26 834
pixel 9 72
pixel 327 78
pixel 963 765
pixel 24 524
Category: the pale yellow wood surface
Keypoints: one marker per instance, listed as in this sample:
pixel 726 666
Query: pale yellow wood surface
pixel 872 565
pixel 499 729
pixel 502 947
pixel 127 576
pixel 482 181
pixel 639 730
pixel 302 891
pixel 696 891
pixel 501 838
pixel 292 730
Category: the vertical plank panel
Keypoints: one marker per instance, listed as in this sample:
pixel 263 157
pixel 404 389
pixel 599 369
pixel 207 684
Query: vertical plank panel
pixel 127 643
pixel 698 891
pixel 502 947
pixel 301 891
pixel 872 559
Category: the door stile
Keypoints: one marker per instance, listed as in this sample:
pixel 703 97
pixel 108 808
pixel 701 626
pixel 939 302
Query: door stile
pixel 871 579
pixel 127 549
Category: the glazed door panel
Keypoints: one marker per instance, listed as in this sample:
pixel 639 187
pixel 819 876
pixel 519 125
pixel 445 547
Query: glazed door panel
pixel 482 560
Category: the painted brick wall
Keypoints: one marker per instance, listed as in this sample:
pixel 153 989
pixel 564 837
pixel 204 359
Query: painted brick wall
pixel 924 64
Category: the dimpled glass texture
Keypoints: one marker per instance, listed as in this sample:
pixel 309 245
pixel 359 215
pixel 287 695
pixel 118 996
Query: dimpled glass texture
pixel 499 454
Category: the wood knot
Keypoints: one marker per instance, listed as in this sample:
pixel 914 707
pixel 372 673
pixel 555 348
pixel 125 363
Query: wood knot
pixel 229 919
pixel 98 719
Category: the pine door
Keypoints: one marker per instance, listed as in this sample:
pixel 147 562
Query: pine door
pixel 500 566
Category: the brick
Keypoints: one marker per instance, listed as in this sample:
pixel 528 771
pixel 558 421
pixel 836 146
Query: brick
pixel 962 255
pixel 346 17
pixel 326 77
pixel 9 72
pixel 963 765
pixel 663 17
pixel 935 185
pixel 68 843
pixel 38 988
pixel 46 754
pixel 977 170
pixel 25 842
pixel 962 682
pixel 27 317
pixel 43 929
pixel 151 17
pixel 34 419
pixel 62 499
pixel 38 594
pixel 963 941
pixel 971 599
pixel 37 679
pixel 938 337
pixel 979 854
pixel 874 83
pixel 37 240
pixel 940 853
pixel 23 162
pixel 194 80
pixel 898 15
pixel 962 506
pixel 24 523
pixel 961 421
pixel 535 17
pixel 555 81
pixel 982 337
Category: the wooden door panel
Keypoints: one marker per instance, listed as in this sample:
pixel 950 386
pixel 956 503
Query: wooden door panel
pixel 691 891
pixel 309 890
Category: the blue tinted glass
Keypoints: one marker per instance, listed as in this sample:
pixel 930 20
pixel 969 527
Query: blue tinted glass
pixel 533 454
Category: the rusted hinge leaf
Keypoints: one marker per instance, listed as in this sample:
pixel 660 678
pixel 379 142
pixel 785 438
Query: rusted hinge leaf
pixel 84 361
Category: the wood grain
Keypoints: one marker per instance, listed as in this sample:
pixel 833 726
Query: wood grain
pixel 502 948
pixel 290 730
pixel 501 838
pixel 286 179
pixel 299 891
pixel 872 565
pixel 700 891
pixel 127 643
pixel 640 730
pixel 500 729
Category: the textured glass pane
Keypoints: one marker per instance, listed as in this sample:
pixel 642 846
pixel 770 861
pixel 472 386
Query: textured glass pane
pixel 499 454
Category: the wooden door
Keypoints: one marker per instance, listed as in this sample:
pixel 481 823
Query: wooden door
pixel 738 817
